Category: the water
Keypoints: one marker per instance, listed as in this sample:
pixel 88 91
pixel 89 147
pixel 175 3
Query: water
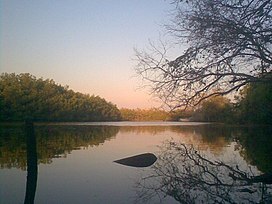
pixel 73 163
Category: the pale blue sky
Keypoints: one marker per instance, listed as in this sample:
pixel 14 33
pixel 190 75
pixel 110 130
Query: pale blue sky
pixel 86 44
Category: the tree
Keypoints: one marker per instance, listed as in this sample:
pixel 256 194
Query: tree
pixel 152 114
pixel 228 45
pixel 23 97
pixel 254 104
pixel 181 114
pixel 214 109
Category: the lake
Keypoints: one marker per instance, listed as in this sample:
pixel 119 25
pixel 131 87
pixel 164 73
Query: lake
pixel 73 163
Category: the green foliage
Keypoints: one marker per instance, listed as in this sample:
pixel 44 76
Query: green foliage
pixel 255 104
pixel 214 109
pixel 152 114
pixel 24 97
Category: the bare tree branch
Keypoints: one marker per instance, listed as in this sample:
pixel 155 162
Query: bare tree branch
pixel 229 45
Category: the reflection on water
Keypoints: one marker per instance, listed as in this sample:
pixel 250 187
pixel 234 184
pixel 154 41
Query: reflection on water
pixel 255 145
pixel 189 176
pixel 52 142
pixel 198 162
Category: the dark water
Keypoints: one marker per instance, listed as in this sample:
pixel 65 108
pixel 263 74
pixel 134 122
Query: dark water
pixel 73 163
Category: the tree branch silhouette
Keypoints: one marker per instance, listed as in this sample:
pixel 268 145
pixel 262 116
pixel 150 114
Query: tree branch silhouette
pixel 185 174
pixel 228 46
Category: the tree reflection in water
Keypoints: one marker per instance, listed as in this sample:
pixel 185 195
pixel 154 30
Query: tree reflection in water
pixel 50 142
pixel 188 176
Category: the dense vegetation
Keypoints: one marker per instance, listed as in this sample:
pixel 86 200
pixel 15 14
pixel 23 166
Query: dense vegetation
pixel 214 109
pixel 152 114
pixel 252 106
pixel 255 104
pixel 24 97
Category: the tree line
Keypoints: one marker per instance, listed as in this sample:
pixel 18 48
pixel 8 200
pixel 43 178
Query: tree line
pixel 152 114
pixel 253 105
pixel 24 97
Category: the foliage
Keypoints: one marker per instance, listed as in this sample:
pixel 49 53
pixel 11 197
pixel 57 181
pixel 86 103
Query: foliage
pixel 180 114
pixel 255 104
pixel 24 97
pixel 214 109
pixel 152 114
pixel 228 45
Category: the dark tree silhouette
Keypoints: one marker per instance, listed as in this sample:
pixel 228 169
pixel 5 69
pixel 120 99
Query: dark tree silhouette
pixel 228 45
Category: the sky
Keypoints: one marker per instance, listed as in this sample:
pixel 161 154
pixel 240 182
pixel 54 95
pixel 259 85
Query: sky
pixel 87 44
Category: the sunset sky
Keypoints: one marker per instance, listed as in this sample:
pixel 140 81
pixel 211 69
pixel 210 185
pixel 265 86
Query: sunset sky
pixel 86 44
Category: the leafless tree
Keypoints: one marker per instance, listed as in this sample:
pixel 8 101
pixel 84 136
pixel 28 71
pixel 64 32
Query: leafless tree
pixel 228 45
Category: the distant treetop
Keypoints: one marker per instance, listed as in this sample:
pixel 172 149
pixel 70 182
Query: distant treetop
pixel 25 97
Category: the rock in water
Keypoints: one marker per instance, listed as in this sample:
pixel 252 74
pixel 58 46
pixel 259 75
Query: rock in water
pixel 141 160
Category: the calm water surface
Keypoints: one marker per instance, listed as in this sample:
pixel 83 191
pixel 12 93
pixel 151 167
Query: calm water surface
pixel 73 163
